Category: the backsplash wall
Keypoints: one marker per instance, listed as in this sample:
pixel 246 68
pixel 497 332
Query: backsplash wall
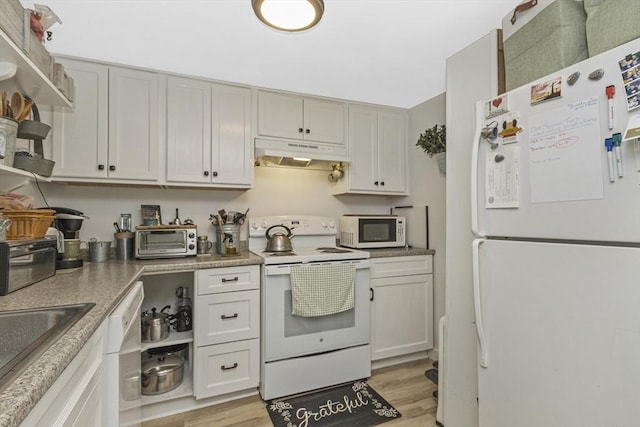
pixel 276 191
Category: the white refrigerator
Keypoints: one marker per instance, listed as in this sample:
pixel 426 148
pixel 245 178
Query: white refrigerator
pixel 556 263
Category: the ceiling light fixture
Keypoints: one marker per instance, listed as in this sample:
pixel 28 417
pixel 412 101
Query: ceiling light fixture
pixel 289 15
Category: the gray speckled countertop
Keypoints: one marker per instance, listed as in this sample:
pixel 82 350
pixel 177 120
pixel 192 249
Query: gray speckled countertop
pixel 104 284
pixel 391 252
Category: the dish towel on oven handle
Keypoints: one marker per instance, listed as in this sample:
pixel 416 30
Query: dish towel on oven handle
pixel 322 289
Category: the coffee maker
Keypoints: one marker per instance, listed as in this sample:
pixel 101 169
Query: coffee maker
pixel 68 222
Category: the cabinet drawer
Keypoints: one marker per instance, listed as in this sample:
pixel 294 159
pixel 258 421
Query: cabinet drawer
pixel 230 279
pixel 401 266
pixel 226 368
pixel 227 317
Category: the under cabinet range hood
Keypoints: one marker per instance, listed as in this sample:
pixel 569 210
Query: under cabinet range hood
pixel 275 152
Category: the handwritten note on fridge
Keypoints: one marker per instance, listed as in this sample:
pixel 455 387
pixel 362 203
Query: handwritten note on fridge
pixel 565 153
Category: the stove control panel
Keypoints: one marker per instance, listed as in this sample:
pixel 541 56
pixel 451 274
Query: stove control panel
pixel 299 225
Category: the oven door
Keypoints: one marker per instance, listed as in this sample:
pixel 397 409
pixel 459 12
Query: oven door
pixel 285 335
pixel 161 243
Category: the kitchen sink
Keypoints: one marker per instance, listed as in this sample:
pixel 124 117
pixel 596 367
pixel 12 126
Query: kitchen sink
pixel 26 334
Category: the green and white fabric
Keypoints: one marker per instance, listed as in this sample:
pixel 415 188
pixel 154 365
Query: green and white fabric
pixel 611 23
pixel 553 39
pixel 322 289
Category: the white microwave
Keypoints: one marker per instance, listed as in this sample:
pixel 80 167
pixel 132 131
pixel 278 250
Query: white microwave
pixel 372 231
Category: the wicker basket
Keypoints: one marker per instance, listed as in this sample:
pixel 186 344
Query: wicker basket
pixel 28 224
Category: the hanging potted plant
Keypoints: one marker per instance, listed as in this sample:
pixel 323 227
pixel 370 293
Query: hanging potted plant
pixel 434 142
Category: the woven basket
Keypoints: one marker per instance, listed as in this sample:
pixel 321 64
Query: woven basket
pixel 28 224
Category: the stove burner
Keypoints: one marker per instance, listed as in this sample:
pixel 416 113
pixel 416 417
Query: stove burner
pixel 333 250
pixel 283 253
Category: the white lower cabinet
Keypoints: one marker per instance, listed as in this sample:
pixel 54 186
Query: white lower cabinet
pixel 225 368
pixel 226 330
pixel 75 398
pixel 401 305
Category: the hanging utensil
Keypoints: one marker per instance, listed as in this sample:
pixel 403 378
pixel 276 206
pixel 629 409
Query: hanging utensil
pixel 26 109
pixel 17 104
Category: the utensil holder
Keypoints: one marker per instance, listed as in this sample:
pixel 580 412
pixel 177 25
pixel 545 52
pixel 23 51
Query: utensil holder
pixel 228 239
pixel 124 245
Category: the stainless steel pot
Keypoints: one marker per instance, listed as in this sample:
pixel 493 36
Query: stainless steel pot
pixel 155 325
pixel 278 242
pixel 160 375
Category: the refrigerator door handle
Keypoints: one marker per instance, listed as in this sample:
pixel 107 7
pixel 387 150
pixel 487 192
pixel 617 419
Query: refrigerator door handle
pixel 482 341
pixel 475 152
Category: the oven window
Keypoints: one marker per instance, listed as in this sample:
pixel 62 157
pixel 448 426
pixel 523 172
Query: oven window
pixel 377 230
pixel 164 240
pixel 296 325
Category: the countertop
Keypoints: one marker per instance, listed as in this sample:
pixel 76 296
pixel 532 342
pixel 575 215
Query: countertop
pixel 391 252
pixel 104 284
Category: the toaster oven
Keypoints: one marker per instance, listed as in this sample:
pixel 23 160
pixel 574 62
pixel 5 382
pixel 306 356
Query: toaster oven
pixel 166 241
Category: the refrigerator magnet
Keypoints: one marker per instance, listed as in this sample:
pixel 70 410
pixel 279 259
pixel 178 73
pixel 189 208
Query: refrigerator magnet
pixel 510 129
pixel 546 91
pixel 496 107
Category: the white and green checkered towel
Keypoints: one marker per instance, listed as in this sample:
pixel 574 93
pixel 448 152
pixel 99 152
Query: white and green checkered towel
pixel 322 289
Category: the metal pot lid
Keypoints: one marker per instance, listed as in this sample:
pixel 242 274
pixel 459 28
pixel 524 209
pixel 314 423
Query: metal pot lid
pixel 154 316
pixel 155 351
pixel 162 366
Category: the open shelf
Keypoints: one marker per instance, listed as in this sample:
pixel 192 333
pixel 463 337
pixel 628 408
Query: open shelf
pixel 12 178
pixel 174 338
pixel 29 79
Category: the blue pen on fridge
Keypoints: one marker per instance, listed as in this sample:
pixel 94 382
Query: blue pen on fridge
pixel 608 143
pixel 617 149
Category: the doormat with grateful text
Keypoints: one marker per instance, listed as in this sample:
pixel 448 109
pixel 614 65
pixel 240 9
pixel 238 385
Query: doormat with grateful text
pixel 353 405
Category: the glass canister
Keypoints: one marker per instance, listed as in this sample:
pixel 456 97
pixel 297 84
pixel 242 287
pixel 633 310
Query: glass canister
pixel 228 239
pixel 8 133
pixel 4 227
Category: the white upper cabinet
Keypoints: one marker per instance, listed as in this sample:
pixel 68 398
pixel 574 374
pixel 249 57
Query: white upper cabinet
pixel 290 116
pixel 377 144
pixel 208 134
pixel 112 131
pixel 133 124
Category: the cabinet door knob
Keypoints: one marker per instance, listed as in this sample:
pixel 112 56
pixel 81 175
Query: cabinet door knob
pixel 100 167
pixel 206 173
pixel 300 130
pixel 235 279
pixel 112 168
pixel 382 183
pixel 307 131
pixel 215 173
pixel 371 294
pixel 375 183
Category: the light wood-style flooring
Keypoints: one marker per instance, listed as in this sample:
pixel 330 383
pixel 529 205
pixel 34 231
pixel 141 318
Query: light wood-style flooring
pixel 404 386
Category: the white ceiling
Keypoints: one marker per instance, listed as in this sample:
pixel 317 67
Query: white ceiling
pixel 389 52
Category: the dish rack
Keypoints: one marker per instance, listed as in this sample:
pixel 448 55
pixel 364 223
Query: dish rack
pixel 29 223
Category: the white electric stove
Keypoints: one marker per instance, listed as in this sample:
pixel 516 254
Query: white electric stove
pixel 314 240
pixel 299 354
